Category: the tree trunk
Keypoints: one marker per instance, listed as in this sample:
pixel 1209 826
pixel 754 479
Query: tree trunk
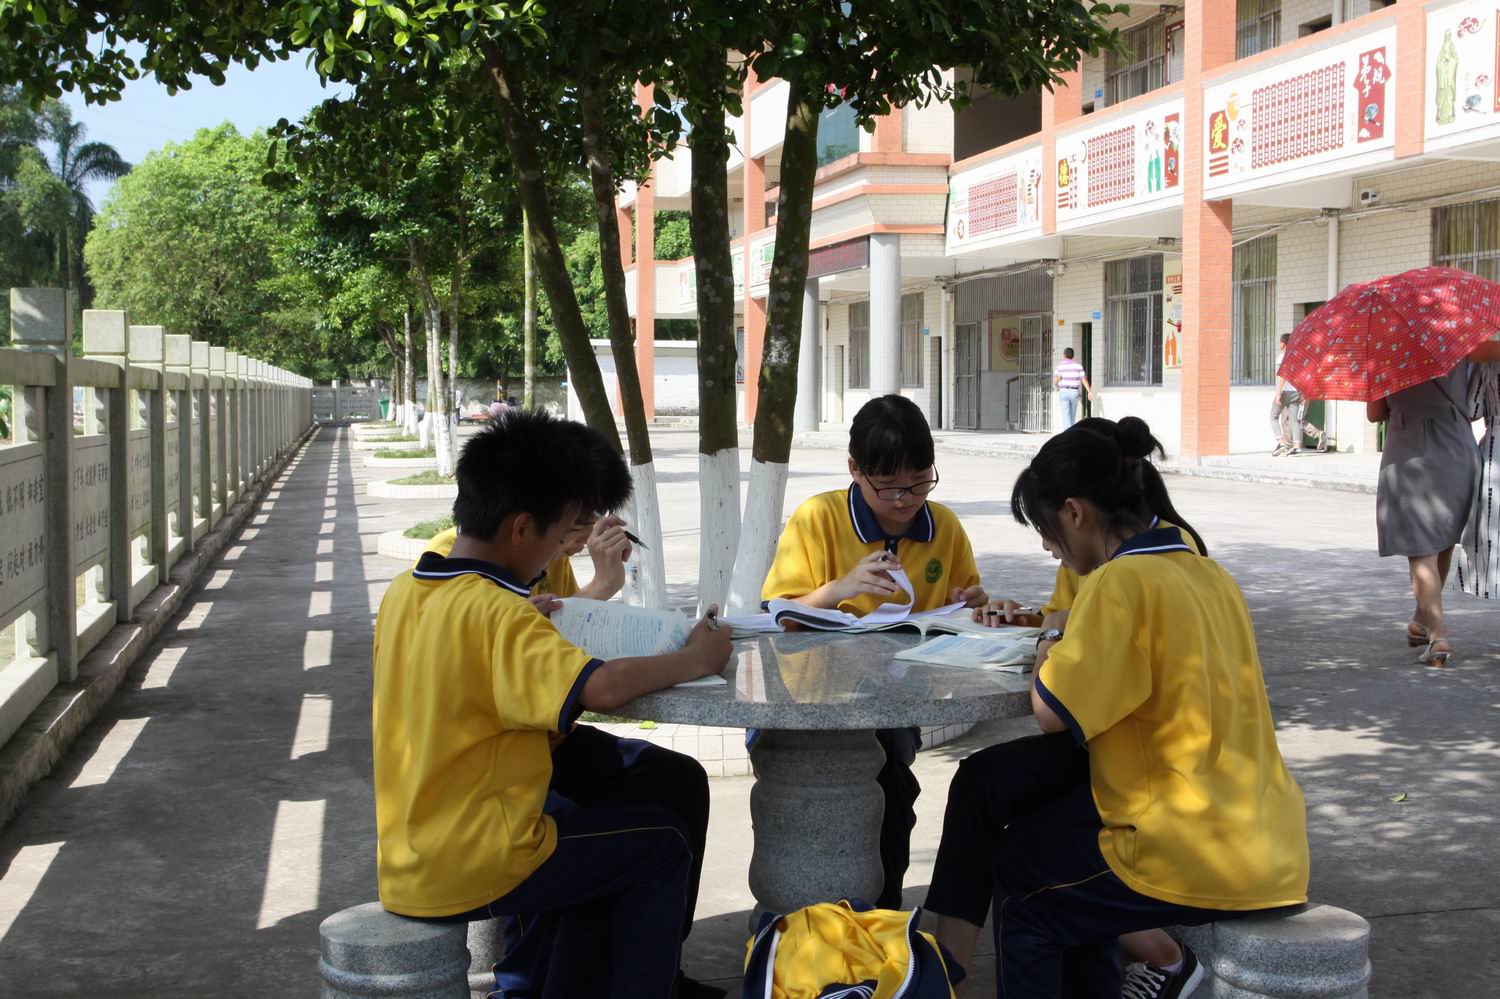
pixel 528 323
pixel 409 393
pixel 718 421
pixel 778 373
pixel 645 508
pixel 437 395
pixel 395 389
pixel 455 300
pixel 521 143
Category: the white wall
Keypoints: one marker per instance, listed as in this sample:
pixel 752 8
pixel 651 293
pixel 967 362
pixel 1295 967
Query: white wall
pixel 676 382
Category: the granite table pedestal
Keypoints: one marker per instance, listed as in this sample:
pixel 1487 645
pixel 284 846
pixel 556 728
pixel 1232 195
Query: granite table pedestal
pixel 818 698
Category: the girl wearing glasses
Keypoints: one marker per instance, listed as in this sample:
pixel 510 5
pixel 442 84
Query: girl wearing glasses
pixel 849 549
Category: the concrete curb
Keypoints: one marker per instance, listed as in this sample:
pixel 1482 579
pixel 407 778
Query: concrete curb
pixel 396 545
pixel 1026 451
pixel 381 444
pixel 32 752
pixel 373 462
pixel 388 489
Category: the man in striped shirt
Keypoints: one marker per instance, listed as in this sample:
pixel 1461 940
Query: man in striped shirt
pixel 1069 379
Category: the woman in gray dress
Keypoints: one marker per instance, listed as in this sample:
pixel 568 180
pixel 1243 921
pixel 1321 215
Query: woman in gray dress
pixel 1429 475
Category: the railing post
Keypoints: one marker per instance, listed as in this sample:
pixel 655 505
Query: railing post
pixel 218 367
pixel 203 468
pixel 177 360
pixel 232 417
pixel 41 321
pixel 147 350
pixel 106 337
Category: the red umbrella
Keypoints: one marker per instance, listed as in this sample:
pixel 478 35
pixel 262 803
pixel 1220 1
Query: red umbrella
pixel 1377 338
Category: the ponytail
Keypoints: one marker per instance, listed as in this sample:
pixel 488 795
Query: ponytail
pixel 1105 462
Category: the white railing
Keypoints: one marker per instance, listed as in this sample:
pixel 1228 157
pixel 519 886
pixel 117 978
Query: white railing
pixel 115 464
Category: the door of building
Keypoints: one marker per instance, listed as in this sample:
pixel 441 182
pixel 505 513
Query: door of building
pixel 1086 358
pixel 838 384
pixel 966 377
pixel 1036 374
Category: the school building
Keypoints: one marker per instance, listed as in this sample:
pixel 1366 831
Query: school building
pixel 1167 213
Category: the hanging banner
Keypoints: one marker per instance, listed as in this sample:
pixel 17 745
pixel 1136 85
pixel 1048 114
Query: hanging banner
pixel 1171 312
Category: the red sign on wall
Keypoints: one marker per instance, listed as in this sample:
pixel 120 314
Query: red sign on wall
pixel 850 255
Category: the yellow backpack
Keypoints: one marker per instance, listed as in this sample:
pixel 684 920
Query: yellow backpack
pixel 847 950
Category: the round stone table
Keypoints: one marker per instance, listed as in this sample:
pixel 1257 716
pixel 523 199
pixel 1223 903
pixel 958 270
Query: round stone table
pixel 818 698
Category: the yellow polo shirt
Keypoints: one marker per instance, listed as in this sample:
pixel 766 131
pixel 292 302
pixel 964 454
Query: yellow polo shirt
pixel 832 531
pixel 1065 589
pixel 1159 676
pixel 470 679
pixel 557 579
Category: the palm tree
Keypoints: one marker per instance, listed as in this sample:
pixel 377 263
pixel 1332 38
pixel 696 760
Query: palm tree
pixel 76 163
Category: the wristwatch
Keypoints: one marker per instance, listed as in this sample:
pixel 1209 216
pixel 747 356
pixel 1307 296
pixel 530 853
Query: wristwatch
pixel 1050 635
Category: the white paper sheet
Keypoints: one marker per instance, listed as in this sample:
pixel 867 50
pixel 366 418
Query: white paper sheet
pixel 1002 652
pixel 610 630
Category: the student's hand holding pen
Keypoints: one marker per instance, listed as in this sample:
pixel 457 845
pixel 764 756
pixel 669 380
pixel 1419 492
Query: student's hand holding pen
pixel 709 643
pixel 1006 613
pixel 871 575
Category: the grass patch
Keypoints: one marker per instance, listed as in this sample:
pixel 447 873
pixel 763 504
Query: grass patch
pixel 598 719
pixel 428 478
pixel 400 439
pixel 429 529
pixel 392 453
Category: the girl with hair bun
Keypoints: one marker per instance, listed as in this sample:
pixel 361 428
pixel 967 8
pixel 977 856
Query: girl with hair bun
pixel 1156 795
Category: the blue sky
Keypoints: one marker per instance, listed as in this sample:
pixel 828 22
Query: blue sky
pixel 146 118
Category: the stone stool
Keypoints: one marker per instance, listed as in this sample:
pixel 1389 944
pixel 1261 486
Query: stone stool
pixel 1315 950
pixel 368 952
pixel 486 948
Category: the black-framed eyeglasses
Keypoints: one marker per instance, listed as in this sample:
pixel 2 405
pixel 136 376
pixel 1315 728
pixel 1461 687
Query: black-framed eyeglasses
pixel 892 493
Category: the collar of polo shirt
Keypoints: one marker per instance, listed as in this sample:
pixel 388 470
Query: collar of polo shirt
pixel 1154 540
pixel 434 566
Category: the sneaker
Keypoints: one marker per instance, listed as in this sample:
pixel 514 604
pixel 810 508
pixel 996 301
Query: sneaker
pixel 1147 981
pixel 1294 451
pixel 1281 449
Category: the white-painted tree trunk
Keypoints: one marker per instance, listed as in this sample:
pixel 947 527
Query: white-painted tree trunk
pixel 424 433
pixel 758 533
pixel 444 443
pixel 719 517
pixel 646 575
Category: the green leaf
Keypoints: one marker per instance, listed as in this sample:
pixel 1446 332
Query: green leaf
pixel 401 39
pixel 357 24
pixel 395 14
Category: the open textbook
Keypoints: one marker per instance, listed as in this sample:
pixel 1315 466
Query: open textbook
pixel 1005 649
pixel 954 619
pixel 612 630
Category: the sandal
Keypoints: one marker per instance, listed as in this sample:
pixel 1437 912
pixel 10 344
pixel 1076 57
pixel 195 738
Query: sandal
pixel 1416 635
pixel 1435 656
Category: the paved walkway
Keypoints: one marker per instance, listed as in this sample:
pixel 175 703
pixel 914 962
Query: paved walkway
pixel 220 807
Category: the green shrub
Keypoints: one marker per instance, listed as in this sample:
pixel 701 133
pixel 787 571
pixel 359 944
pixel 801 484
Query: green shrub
pixel 388 453
pixel 429 529
pixel 428 478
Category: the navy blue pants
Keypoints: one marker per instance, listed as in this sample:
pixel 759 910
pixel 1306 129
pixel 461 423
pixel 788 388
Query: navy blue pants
pixel 1021 837
pixel 900 788
pixel 606 914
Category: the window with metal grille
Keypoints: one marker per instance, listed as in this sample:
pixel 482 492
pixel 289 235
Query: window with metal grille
pixel 1257 26
pixel 911 341
pixel 859 345
pixel 1142 66
pixel 1132 315
pixel 1468 237
pixel 1253 332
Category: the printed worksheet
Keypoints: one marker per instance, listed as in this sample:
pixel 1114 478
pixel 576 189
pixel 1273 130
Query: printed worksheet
pixel 610 630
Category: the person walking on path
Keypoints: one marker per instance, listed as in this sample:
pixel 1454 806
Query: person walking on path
pixel 1288 411
pixel 1069 379
pixel 1429 475
pixel 1478 554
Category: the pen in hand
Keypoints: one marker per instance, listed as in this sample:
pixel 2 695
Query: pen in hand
pixel 636 541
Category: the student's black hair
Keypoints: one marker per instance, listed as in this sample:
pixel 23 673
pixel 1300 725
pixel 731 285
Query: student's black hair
pixel 1285 337
pixel 1106 463
pixel 1068 353
pixel 528 461
pixel 889 435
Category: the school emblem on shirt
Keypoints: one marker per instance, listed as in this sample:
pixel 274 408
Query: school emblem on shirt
pixel 934 570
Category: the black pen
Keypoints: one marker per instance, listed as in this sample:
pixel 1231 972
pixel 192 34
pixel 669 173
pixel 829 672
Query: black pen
pixel 636 541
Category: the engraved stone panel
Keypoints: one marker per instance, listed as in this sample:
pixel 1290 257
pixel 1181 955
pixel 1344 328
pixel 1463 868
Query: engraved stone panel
pixel 23 528
pixel 173 471
pixel 139 451
pixel 90 498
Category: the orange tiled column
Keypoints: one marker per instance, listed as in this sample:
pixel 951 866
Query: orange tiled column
pixel 755 308
pixel 1411 76
pixel 645 279
pixel 887 138
pixel 624 221
pixel 1207 245
pixel 1060 105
